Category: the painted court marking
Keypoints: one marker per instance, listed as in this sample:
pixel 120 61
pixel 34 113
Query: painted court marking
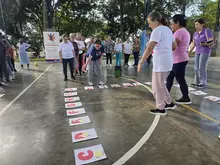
pixel 16 98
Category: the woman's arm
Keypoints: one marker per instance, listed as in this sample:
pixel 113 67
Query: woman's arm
pixel 192 46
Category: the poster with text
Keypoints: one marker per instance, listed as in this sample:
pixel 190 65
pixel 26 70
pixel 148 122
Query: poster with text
pixel 79 121
pixel 103 86
pixel 84 135
pixel 74 112
pixel 136 84
pixel 127 85
pixel 71 99
pixel 70 89
pixel 89 154
pixel 73 105
pixel 70 94
pixel 88 88
pixel 51 44
pixel 198 93
pixel 212 98
pixel 115 86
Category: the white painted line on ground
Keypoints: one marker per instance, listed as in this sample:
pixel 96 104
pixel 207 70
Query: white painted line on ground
pixel 16 98
pixel 143 140
pixel 139 144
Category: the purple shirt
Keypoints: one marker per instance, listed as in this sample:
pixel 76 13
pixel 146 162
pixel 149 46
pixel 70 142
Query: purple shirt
pixel 204 36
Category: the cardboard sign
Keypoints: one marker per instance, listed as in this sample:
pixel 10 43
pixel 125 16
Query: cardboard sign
pixel 74 112
pixel 127 85
pixel 136 84
pixel 212 98
pixel 89 88
pixel 73 105
pixel 84 135
pixel 89 154
pixel 115 86
pixel 70 94
pixel 71 99
pixel 148 83
pixel 103 86
pixel 70 89
pixel 79 121
pixel 198 93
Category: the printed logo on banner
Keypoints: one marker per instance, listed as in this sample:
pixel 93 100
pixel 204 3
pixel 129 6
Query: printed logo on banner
pixel 79 121
pixel 212 98
pixel 74 112
pixel 70 89
pixel 198 93
pixel 70 94
pixel 73 105
pixel 89 154
pixel 103 86
pixel 115 86
pixel 127 85
pixel 148 83
pixel 84 135
pixel 136 84
pixel 89 88
pixel 72 99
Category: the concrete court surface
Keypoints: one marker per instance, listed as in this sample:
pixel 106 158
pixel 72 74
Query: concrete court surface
pixel 34 128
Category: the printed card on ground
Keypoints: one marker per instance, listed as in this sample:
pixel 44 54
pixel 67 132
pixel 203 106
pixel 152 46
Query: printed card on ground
pixel 89 88
pixel 136 84
pixel 73 105
pixel 1 95
pixel 191 89
pixel 89 154
pixel 70 94
pixel 116 86
pixel 74 112
pixel 127 85
pixel 103 86
pixel 70 89
pixel 72 99
pixel 84 135
pixel 198 93
pixel 212 98
pixel 148 83
pixel 79 121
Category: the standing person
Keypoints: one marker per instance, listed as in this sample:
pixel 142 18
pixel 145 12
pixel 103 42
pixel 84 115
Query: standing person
pixel 81 47
pixel 76 49
pixel 180 57
pixel 162 43
pixel 118 51
pixel 127 47
pixel 23 55
pixel 94 62
pixel 136 50
pixel 66 53
pixel 202 40
pixel 109 48
pixel 3 64
pixel 12 54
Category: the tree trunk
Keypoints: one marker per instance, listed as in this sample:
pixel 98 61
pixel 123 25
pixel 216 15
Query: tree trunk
pixel 121 19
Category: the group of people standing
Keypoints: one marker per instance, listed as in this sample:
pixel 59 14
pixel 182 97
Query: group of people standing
pixel 171 55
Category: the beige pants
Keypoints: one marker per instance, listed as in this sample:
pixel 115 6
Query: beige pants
pixel 159 89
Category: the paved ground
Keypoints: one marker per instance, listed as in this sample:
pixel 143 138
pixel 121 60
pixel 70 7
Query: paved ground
pixel 34 129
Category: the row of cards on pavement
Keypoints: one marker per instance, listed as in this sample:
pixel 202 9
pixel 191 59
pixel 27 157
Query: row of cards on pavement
pixel 83 155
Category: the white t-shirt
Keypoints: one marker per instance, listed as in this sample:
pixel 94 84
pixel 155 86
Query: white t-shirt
pixel 118 47
pixel 23 47
pixel 162 56
pixel 127 47
pixel 67 50
pixel 80 45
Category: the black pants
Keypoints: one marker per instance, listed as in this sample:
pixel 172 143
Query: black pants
pixel 126 59
pixel 80 63
pixel 13 63
pixel 136 58
pixel 149 59
pixel 3 68
pixel 65 61
pixel 178 72
pixel 108 57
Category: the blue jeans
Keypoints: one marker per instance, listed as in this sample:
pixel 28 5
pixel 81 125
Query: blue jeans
pixel 200 69
pixel 118 58
pixel 136 58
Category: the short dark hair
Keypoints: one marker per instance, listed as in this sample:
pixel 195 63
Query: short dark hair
pixel 180 19
pixel 65 35
pixel 98 42
pixel 200 20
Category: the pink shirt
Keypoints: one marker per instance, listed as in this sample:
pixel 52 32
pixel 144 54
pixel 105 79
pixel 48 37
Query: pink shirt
pixel 180 53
